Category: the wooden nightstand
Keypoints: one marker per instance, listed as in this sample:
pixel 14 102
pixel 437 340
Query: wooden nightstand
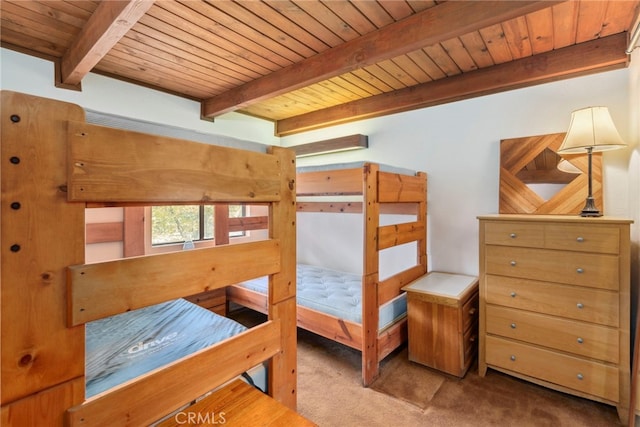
pixel 442 310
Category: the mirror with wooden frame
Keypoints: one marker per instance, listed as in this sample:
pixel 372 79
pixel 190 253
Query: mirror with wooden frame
pixel 531 183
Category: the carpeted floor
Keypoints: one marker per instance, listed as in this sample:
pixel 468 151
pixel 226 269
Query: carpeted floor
pixel 408 381
pixel 408 394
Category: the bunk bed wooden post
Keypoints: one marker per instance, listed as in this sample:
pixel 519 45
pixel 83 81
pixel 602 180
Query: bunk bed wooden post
pixel 371 212
pixel 282 286
pixel 42 359
pixel 221 220
pixel 421 247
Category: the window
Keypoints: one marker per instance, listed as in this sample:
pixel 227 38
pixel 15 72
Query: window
pixel 181 223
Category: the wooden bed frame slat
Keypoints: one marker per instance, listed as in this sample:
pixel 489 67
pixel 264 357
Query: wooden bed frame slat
pixel 335 207
pixel 399 234
pixel 393 187
pixel 391 338
pixel 99 157
pixel 248 223
pixel 104 232
pixel 340 330
pixel 167 389
pixel 356 207
pixel 247 298
pixel 391 287
pixel 332 182
pixel 53 402
pixel 104 289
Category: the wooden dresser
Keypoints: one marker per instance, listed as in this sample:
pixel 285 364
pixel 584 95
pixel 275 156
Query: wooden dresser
pixel 555 303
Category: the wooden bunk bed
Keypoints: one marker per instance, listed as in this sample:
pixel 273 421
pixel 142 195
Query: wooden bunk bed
pixel 54 165
pixel 382 190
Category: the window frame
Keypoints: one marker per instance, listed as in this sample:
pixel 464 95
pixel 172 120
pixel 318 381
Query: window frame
pixel 202 220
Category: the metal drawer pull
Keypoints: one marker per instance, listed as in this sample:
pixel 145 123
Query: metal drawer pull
pixel 580 239
pixel 472 311
pixel 580 305
pixel 513 263
pixel 580 340
pixel 513 235
pixel 513 357
pixel 579 271
pixel 513 294
pixel 513 326
pixel 580 376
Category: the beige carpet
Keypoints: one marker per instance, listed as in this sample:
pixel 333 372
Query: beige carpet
pixel 408 381
pixel 411 395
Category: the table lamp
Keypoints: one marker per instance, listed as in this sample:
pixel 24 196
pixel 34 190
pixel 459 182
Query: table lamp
pixel 591 130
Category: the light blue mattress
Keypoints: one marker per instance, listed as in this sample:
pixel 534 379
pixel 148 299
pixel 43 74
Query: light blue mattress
pixel 125 346
pixel 335 293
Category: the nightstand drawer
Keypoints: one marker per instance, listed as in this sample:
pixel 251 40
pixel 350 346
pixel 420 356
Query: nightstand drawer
pixel 470 344
pixel 470 312
pixel 592 238
pixel 578 374
pixel 587 304
pixel 580 338
pixel 576 268
pixel 514 234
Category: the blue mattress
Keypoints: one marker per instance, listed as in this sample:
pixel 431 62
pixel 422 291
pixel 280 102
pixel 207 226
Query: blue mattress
pixel 125 346
pixel 335 293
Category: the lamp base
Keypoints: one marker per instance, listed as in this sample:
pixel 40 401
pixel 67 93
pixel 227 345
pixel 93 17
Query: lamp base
pixel 590 209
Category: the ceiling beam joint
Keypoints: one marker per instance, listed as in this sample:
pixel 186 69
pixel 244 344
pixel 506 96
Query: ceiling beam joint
pixel 106 26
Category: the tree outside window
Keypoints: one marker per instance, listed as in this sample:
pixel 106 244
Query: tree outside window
pixel 182 223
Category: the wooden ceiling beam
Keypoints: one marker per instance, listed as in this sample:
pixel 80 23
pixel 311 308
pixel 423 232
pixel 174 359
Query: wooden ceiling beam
pixel 107 25
pixel 594 56
pixel 436 24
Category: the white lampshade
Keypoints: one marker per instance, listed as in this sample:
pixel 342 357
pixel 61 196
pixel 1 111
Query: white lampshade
pixel 566 166
pixel 591 127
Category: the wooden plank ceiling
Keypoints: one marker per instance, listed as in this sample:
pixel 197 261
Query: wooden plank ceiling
pixel 307 64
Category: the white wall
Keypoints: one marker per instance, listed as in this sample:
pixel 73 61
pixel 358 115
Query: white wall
pixel 27 74
pixel 634 177
pixel 458 146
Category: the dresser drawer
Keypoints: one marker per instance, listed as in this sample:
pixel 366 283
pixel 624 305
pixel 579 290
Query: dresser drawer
pixel 580 338
pixel 470 312
pixel 577 268
pixel 591 238
pixel 572 372
pixel 587 304
pixel 514 234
